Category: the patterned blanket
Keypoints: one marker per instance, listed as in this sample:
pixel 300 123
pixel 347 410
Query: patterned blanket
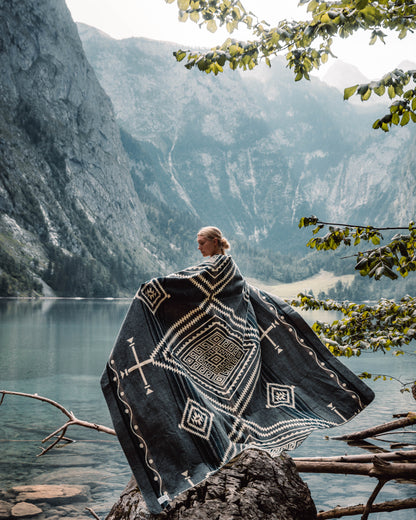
pixel 205 366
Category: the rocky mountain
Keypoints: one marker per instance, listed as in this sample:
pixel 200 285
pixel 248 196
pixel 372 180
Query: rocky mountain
pixel 70 215
pixel 253 152
pixel 113 154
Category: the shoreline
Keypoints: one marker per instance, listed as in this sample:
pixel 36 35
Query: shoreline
pixel 321 281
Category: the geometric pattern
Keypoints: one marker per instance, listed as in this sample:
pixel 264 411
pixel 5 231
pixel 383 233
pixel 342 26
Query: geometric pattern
pixel 205 366
pixel 196 419
pixel 280 395
pixel 213 358
pixel 152 294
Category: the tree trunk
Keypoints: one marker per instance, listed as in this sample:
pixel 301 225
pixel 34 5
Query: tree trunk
pixel 254 486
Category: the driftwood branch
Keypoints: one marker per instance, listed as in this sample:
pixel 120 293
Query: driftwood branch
pixel 366 457
pixel 378 468
pixel 383 507
pixel 381 428
pixel 60 432
pixel 369 505
pixel 94 514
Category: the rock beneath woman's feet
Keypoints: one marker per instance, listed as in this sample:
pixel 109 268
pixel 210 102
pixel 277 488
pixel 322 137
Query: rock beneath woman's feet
pixel 255 486
pixel 23 509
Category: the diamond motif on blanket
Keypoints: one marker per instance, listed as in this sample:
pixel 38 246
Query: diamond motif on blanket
pixel 280 395
pixel 152 294
pixel 196 419
pixel 214 358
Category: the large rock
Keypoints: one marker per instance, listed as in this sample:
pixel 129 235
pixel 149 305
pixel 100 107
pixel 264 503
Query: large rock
pixel 254 487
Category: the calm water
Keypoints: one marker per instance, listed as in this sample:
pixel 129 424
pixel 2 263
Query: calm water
pixel 58 349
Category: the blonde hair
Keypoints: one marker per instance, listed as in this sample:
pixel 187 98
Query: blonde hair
pixel 213 233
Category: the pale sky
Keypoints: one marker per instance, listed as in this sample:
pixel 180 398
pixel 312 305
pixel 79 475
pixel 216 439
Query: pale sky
pixel 159 21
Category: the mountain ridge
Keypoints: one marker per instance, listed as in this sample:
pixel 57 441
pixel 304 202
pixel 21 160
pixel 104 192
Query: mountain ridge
pixel 113 155
pixel 300 137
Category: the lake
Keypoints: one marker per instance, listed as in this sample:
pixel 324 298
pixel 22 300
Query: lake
pixel 58 348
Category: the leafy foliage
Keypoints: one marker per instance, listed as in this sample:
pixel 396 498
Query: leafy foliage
pixel 307 44
pixel 387 324
pixel 397 256
pixel 382 326
pixel 402 110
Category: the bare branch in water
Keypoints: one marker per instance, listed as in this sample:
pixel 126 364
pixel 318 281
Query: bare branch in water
pixel 60 432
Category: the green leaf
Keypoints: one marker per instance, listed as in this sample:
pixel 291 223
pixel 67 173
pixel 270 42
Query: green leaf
pixel 221 60
pixel 312 6
pixel 349 91
pixel 366 95
pixel 183 16
pixel 403 33
pixel 361 4
pixel 391 92
pixel 183 4
pixel 325 19
pixel 405 118
pixel 380 90
pixel 194 16
pixel 179 55
pixel 212 26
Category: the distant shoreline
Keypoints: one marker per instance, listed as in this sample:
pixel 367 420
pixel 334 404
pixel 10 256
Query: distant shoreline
pixel 322 281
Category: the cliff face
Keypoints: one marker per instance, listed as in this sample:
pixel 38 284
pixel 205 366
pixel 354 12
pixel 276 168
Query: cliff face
pixel 256 151
pixel 66 193
pixel 96 199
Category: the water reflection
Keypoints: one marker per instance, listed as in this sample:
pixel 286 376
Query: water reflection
pixel 49 337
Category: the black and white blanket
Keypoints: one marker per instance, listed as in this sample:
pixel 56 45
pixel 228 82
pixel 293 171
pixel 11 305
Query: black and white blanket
pixel 205 366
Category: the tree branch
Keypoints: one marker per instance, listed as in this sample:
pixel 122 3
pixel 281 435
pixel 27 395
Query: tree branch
pixel 392 505
pixel 368 507
pixel 366 457
pixel 362 227
pixel 378 468
pixel 60 432
pixel 382 428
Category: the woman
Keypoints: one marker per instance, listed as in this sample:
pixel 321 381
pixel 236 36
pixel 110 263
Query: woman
pixel 211 242
pixel 206 366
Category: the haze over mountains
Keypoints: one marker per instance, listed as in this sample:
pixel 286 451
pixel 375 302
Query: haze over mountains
pixel 112 159
pixel 263 148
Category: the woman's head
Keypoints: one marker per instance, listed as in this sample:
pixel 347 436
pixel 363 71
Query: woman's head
pixel 211 242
